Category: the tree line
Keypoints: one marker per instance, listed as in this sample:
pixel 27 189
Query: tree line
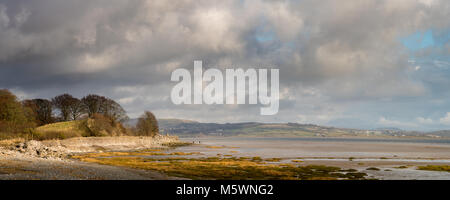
pixel 17 116
pixel 71 108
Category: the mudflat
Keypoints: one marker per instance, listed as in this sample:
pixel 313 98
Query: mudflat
pixel 385 159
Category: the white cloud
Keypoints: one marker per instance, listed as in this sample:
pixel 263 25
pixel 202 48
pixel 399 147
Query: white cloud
pixel 445 120
pixel 394 123
pixel 426 121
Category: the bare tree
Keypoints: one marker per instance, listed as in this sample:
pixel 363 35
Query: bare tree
pixel 44 111
pixel 147 125
pixel 63 103
pixel 93 103
pixel 113 110
pixel 76 108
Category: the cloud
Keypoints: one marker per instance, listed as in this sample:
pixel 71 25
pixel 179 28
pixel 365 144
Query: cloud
pixel 394 123
pixel 445 120
pixel 331 55
pixel 420 121
pixel 426 121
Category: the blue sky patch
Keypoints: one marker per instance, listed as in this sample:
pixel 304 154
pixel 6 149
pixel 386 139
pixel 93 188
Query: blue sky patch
pixel 419 40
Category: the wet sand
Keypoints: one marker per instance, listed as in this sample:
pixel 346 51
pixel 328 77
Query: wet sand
pixel 386 156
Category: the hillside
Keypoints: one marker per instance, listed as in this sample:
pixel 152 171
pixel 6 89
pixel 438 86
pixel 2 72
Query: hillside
pixel 186 128
pixel 78 128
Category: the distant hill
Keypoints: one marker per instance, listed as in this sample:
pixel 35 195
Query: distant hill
pixel 162 122
pixel 188 128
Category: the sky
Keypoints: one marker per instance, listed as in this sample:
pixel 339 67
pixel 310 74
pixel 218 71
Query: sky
pixel 355 63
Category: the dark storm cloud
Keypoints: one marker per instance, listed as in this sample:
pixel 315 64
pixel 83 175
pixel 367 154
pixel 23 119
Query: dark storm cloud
pixel 329 53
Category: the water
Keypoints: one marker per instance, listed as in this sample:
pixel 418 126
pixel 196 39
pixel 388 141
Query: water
pixel 356 153
pixel 327 139
pixel 325 147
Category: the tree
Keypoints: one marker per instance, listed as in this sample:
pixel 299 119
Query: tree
pixel 12 114
pixel 44 111
pixel 113 110
pixel 147 125
pixel 10 108
pixel 93 103
pixel 76 108
pixel 30 109
pixel 63 103
pixel 96 104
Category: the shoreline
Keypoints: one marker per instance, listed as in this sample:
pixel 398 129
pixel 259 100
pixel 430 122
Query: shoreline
pixel 355 138
pixel 50 160
pixel 396 160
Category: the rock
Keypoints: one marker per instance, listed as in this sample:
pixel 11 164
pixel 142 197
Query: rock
pixel 60 149
pixel 37 149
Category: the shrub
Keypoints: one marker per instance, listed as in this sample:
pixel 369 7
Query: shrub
pixel 99 125
pixel 147 125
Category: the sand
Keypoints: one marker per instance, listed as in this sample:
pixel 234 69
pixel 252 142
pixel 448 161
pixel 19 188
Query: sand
pixel 386 156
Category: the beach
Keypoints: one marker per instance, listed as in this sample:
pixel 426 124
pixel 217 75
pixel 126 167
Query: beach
pixel 91 158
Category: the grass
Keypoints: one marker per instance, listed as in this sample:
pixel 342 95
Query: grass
pixel 444 168
pixel 234 168
pixel 61 126
pixel 62 130
pixel 176 144
pixel 79 128
pixel 257 159
pixel 273 159
pixel 373 169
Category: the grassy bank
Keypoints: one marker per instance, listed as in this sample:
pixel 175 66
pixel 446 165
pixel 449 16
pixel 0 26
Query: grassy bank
pixel 78 128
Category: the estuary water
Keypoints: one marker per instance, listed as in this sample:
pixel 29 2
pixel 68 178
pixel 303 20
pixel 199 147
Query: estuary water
pixel 394 158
